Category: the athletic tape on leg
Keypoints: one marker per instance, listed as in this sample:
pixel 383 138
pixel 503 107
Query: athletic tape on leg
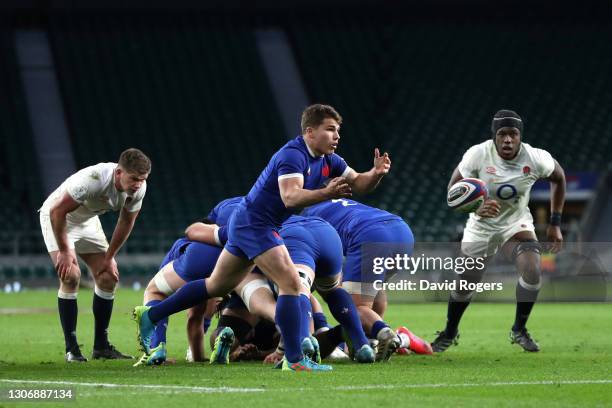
pixel 162 284
pixel 247 291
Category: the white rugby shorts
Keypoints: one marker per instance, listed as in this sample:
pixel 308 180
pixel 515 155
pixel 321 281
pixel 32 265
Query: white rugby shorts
pixel 85 237
pixel 481 242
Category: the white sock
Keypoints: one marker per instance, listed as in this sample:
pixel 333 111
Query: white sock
pixel 404 340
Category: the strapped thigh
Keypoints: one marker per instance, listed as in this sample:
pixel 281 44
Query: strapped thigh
pixel 162 284
pixel 247 290
pixel 528 245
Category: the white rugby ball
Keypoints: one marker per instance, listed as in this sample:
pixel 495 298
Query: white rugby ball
pixel 467 195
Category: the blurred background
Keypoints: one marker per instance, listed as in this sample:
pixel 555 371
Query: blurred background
pixel 211 89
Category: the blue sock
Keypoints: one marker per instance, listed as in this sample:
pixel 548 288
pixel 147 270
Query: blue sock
pixel 207 322
pixel 343 309
pixel 376 327
pixel 319 320
pixel 160 329
pixel 288 319
pixel 193 293
pixel 306 312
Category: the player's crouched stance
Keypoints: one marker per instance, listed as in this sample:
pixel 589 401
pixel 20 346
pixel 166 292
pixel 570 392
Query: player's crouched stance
pixel 316 250
pixel 70 226
pixel 509 168
pixel 367 233
pixel 291 180
pixel 186 261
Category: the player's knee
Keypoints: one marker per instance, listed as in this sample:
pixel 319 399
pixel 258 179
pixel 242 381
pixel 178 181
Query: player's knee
pixel 106 283
pixel 526 255
pixel 70 284
pixel 151 291
pixel 380 307
pixel 531 273
pixel 361 308
pixel 295 286
pixel 291 285
pixel 72 278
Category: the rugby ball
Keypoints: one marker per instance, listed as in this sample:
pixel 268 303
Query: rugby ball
pixel 467 195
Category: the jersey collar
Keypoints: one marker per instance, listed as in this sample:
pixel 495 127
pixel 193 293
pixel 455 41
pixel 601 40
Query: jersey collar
pixel 310 152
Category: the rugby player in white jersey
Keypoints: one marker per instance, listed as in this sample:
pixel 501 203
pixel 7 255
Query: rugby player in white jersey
pixel 509 168
pixel 70 226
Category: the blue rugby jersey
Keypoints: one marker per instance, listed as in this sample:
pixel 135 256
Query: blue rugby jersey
pixel 302 221
pixel 221 213
pixel 348 217
pixel 264 203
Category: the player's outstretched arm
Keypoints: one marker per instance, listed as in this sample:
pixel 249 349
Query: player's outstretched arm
pixel 124 226
pixel 363 183
pixel 557 201
pixel 294 195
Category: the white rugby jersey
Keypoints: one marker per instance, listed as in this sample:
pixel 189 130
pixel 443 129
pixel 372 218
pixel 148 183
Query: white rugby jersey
pixel 509 181
pixel 94 188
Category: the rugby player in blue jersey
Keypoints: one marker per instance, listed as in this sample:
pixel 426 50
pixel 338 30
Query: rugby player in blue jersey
pixel 188 259
pixel 368 232
pixel 316 251
pixel 303 172
pixel 185 262
pixel 256 338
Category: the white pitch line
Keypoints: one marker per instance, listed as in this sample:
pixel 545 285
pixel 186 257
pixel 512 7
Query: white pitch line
pixel 212 390
pixel 204 390
pixel 449 385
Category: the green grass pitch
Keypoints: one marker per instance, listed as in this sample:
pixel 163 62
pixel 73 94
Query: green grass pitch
pixel 574 367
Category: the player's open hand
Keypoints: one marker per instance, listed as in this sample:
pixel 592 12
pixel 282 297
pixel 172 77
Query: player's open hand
pixel 273 358
pixel 246 352
pixel 109 266
pixel 65 261
pixel 382 164
pixel 489 209
pixel 338 188
pixel 554 238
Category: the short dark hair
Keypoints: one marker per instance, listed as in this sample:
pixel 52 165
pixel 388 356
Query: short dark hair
pixel 315 114
pixel 135 161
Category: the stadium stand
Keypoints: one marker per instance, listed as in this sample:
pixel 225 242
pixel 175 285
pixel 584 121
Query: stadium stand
pixel 20 190
pixel 188 89
pixel 410 89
